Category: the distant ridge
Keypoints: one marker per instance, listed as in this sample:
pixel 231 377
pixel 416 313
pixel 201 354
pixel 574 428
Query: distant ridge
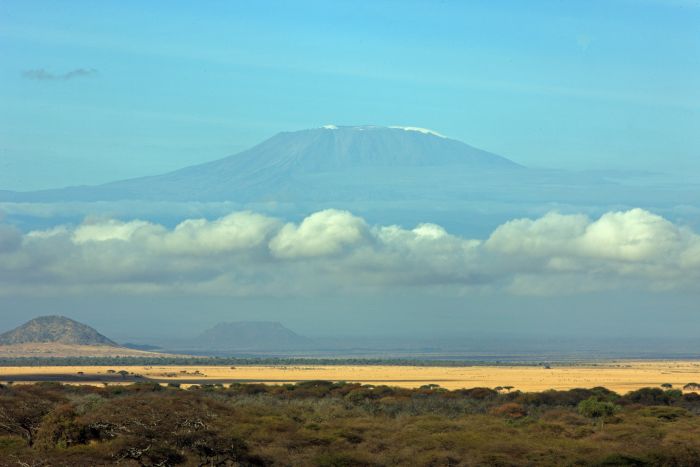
pixel 55 329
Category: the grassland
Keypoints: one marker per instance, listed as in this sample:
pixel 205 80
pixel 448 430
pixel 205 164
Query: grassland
pixel 54 349
pixel 619 376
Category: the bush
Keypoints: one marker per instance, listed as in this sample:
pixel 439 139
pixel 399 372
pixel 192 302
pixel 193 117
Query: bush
pixel 654 396
pixel 622 460
pixel 665 413
pixel 510 410
pixel 342 459
pixel 479 393
pixel 594 408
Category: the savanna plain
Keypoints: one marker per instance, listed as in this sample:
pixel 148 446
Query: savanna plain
pixel 619 376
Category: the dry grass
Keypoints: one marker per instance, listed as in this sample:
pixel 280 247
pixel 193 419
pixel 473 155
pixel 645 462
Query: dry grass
pixel 621 377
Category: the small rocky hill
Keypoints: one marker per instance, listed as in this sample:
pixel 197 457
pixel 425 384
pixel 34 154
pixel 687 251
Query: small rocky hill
pixel 55 329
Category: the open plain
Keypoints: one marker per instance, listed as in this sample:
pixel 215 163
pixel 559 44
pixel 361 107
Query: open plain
pixel 618 376
pixel 53 349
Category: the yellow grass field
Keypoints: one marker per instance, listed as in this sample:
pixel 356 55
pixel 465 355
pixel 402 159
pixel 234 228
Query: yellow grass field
pixel 620 376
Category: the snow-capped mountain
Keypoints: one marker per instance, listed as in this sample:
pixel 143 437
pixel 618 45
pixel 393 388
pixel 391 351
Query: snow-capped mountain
pixel 331 162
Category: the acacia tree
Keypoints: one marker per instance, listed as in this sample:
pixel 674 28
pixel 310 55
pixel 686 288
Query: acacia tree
pixel 167 429
pixel 691 387
pixel 21 413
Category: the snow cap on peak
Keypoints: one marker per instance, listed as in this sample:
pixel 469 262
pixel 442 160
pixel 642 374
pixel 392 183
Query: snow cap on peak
pixel 418 129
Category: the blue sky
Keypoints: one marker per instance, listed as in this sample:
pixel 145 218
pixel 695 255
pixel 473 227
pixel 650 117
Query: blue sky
pixel 576 84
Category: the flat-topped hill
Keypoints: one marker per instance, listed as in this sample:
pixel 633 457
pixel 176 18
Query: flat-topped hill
pixel 251 335
pixel 54 329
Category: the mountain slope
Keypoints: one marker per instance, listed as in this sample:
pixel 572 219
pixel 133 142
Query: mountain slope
pixel 54 329
pixel 314 164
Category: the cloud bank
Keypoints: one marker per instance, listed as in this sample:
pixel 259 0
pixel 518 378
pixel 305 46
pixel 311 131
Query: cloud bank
pixel 40 74
pixel 333 251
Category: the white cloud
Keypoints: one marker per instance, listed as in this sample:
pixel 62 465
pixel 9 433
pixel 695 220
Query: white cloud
pixel 237 231
pixel 40 74
pixel 630 236
pixel 547 235
pixel 111 230
pixel 334 251
pixel 321 234
pixel 634 235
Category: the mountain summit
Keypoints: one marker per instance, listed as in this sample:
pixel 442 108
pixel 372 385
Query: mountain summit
pixel 327 163
pixel 333 148
pixel 54 329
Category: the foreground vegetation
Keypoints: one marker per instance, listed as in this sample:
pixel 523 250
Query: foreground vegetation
pixel 340 424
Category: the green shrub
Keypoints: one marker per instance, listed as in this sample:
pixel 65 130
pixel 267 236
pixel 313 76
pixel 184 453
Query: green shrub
pixel 594 408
